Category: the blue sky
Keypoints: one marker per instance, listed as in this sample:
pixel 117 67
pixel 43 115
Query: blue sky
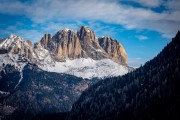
pixel 144 27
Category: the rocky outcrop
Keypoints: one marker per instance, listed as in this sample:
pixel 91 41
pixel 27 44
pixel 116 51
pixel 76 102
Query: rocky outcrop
pixel 18 48
pixel 68 45
pixel 114 49
pixel 46 41
pixel 65 44
pixel 90 45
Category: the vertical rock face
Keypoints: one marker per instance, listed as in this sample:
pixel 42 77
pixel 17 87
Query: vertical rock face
pixel 90 44
pixel 67 44
pixel 46 41
pixel 64 44
pixel 85 34
pixel 114 49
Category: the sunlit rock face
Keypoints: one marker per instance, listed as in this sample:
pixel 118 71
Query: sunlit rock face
pixel 114 49
pixel 83 44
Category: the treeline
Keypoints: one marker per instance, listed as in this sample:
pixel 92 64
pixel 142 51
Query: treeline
pixel 152 92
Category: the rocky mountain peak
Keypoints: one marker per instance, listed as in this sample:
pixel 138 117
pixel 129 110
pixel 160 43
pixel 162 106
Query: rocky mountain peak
pixel 13 36
pixel 66 44
pixel 85 33
pixel 45 40
pixel 83 44
pixel 67 30
pixel 114 49
pixel 89 43
pixel 16 51
pixel 64 35
pixel 29 43
pixel 10 41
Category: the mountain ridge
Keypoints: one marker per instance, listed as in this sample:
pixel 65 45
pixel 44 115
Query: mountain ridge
pixel 68 44
pixel 53 51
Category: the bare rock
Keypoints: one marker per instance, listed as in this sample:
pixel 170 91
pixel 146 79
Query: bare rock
pixel 114 49
pixel 90 44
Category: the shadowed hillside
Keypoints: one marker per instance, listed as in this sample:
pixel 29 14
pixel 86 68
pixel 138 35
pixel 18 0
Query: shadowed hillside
pixel 151 92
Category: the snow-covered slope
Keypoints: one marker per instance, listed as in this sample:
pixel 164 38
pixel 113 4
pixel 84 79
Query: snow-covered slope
pixel 9 56
pixel 88 68
pixel 43 57
pixel 18 52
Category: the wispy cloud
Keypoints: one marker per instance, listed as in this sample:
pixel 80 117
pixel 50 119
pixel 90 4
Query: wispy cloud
pixel 148 3
pixel 142 37
pixel 109 11
pixel 173 4
pixel 168 35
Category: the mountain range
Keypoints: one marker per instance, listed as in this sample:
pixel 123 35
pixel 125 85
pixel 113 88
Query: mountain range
pixel 63 52
pixel 50 75
pixel 41 81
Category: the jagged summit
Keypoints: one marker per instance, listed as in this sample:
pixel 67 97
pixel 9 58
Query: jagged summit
pixel 69 47
pixel 16 46
pixel 67 29
pixel 13 36
pixel 12 39
pixel 85 32
pixel 83 44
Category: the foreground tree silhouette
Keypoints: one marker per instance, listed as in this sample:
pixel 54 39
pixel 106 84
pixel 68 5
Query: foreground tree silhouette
pixel 151 92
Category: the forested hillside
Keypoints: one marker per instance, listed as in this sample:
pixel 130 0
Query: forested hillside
pixel 151 92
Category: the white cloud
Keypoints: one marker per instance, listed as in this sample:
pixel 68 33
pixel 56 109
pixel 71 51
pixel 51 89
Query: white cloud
pixel 108 11
pixel 169 36
pixel 142 37
pixel 173 4
pixel 148 3
pixel 26 34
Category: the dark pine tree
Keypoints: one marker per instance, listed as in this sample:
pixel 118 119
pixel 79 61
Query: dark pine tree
pixel 150 92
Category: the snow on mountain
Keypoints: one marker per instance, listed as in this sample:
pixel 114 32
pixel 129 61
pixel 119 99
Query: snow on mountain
pixel 43 56
pixel 16 51
pixel 21 75
pixel 13 51
pixel 3 92
pixel 79 54
pixel 66 29
pixel 88 68
pixel 12 41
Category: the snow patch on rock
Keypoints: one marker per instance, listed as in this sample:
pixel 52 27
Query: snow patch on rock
pixel 21 74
